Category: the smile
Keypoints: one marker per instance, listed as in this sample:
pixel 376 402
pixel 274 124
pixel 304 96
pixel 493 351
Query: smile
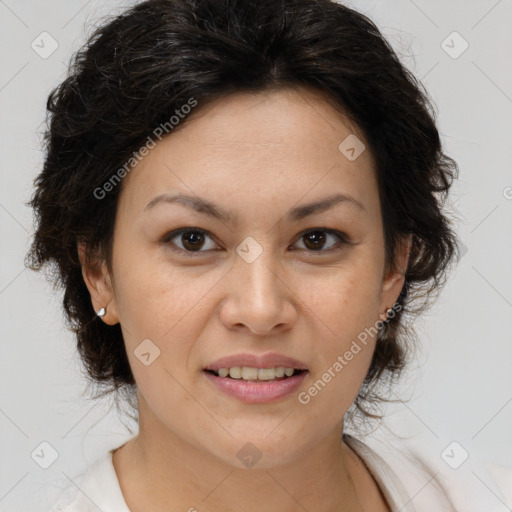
pixel 256 385
pixel 256 374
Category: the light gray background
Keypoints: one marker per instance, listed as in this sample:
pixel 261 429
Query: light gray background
pixel 462 387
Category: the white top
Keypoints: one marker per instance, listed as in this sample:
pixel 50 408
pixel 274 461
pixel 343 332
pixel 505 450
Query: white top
pixel 403 477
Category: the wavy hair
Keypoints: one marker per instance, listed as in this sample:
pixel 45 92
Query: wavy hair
pixel 139 67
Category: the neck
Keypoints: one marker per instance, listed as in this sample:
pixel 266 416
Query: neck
pixel 159 471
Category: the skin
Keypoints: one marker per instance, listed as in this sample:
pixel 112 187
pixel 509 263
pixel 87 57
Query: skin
pixel 256 155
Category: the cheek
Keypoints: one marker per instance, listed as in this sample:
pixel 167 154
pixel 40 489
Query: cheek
pixel 344 299
pixel 344 310
pixel 155 296
pixel 167 305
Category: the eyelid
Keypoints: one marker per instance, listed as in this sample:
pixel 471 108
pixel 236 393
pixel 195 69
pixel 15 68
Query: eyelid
pixel 340 234
pixel 173 234
pixel 343 239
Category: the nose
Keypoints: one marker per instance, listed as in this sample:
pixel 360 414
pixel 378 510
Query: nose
pixel 257 296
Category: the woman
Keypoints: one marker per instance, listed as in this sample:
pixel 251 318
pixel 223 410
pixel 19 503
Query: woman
pixel 243 201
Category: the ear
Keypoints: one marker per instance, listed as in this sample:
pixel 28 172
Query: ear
pixel 99 283
pixel 394 281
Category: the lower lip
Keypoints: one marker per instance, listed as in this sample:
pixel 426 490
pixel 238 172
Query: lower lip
pixel 260 392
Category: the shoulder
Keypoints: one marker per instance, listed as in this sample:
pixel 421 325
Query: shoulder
pixel 502 477
pixel 415 476
pixel 70 497
pixel 96 488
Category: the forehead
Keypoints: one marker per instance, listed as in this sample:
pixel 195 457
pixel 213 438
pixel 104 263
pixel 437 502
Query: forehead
pixel 256 149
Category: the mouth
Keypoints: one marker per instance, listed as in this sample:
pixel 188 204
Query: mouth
pixel 256 378
pixel 251 374
pixel 253 385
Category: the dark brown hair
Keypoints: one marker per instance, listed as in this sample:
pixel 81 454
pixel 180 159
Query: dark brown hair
pixel 138 68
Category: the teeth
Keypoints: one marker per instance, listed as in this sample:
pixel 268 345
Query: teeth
pixel 235 373
pixel 248 373
pixel 266 374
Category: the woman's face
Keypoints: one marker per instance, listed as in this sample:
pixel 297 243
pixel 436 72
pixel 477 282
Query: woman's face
pixel 246 279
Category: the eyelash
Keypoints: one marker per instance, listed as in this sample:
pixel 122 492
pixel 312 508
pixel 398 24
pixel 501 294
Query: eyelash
pixel 343 240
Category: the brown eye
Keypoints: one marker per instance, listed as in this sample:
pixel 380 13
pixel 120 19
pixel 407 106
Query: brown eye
pixel 314 240
pixel 191 240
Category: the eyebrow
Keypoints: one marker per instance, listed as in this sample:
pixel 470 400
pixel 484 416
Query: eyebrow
pixel 210 209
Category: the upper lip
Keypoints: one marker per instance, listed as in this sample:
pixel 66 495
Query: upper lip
pixel 269 360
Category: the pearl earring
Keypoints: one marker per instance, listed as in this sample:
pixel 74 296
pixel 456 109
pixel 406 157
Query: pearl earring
pixel 101 312
pixel 384 316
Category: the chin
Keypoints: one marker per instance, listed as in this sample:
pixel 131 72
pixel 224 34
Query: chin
pixel 259 452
